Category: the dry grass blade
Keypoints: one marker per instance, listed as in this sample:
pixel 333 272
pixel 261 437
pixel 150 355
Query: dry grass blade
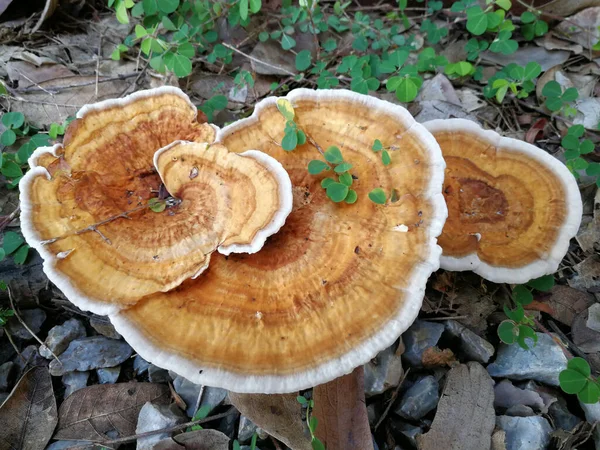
pixel 94 412
pixel 28 417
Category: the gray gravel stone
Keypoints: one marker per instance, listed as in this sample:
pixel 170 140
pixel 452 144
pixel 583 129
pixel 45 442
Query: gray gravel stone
pixel 525 433
pixel 592 415
pixel 405 432
pixel 189 392
pixel 73 381
pixel 108 375
pixel 7 371
pixel 419 399
pixel 519 411
pixel 64 445
pixel 213 397
pixel 34 318
pixel 474 347
pixel 383 372
pixel 103 326
pixel 542 362
pixel 562 417
pixel 89 353
pixel 507 396
pixel 140 365
pixel 60 336
pixel 156 417
pixel 246 429
pixel 158 374
pixel 420 336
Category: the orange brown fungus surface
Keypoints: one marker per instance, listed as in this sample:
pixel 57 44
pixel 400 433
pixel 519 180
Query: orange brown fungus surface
pixel 512 208
pixel 335 285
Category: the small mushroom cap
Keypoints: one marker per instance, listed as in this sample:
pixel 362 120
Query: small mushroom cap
pixel 512 208
pixel 105 168
pixel 335 285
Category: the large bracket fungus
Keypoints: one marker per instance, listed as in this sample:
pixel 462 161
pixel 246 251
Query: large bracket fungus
pixel 85 204
pixel 512 208
pixel 335 285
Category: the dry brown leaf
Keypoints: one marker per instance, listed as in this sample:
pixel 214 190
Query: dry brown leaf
pixel 342 413
pixel 582 28
pixel 195 440
pixel 566 7
pixel 277 414
pixel 106 411
pixel 465 416
pixel 435 357
pixel 28 417
pixel 563 303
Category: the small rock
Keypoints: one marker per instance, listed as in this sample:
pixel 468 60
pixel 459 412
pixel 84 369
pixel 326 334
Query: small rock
pixel 108 375
pixel 383 372
pixel 34 318
pixel 213 397
pixel 227 425
pixel 6 375
pixel 438 88
pixel 507 396
pixel 474 347
pixel 592 415
pixel 405 432
pixel 30 357
pixel 140 365
pixel 158 374
pixel 89 353
pixel 156 417
pixel 420 336
pixel 73 381
pixel 525 433
pixel 419 399
pixel 562 417
pixel 587 339
pixel 519 411
pixel 542 362
pixel 593 320
pixel 246 429
pixel 279 61
pixel 65 445
pixel 189 392
pixel 60 336
pixel 103 326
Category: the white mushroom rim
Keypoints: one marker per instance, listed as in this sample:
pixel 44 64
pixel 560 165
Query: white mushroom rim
pixel 536 269
pixel 367 349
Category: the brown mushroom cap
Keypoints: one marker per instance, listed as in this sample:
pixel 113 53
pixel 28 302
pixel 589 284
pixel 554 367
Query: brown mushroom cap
pixel 336 285
pixel 512 208
pixel 105 168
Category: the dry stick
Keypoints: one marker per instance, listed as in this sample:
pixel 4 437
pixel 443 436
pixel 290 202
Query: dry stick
pixel 18 316
pixel 392 399
pixel 314 143
pixel 8 219
pixel 181 426
pixel 252 58
pixel 15 347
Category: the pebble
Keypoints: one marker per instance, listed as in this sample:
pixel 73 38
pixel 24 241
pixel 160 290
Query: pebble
pixel 592 415
pixel 562 417
pixel 507 396
pixel 419 399
pixel 158 374
pixel 525 433
pixel 585 338
pixel 30 357
pixel 405 432
pixel 519 411
pixel 140 365
pixel 73 381
pixel 89 353
pixel 227 425
pixel 60 336
pixel 34 318
pixel 189 392
pixel 246 429
pixel 108 375
pixel 542 362
pixel 473 346
pixel 103 326
pixel 7 371
pixel 593 320
pixel 420 336
pixel 383 372
pixel 65 445
pixel 156 417
pixel 213 397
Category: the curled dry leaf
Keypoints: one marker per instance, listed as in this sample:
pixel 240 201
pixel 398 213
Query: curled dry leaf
pixel 277 414
pixel 28 417
pixel 582 28
pixel 341 413
pixel 563 303
pixel 435 357
pixel 106 411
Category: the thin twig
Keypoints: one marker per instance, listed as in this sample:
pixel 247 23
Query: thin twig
pixel 18 316
pixel 98 57
pixel 314 144
pixel 10 339
pixel 8 219
pixel 562 335
pixel 392 399
pixel 252 58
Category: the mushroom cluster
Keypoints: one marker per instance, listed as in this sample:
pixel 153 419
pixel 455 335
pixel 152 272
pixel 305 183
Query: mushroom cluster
pixel 251 278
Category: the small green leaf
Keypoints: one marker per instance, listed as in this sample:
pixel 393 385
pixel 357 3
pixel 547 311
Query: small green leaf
pixel 11 170
pixel 301 137
pixel 12 241
pixel 590 393
pixel 182 65
pixel 386 158
pixel 8 138
pixel 13 120
pixel 570 142
pixel 285 108
pixel 570 94
pixel 301 399
pixel 345 178
pixel 580 164
pixel 477 21
pixel 21 254
pixel 377 145
pixel 407 90
pixel 202 412
pixel 317 444
pixel 553 103
pixel 526 332
pixel 522 295
pixel 337 192
pixel 552 89
pixel 586 147
pixel 351 197
pixel 186 49
pixel 313 423
pixel 378 196
pixel 580 365
pixel 334 155
pixel 316 166
pixel 504 4
pixel 287 42
pixel 527 17
pixel 263 36
pixel 255 6
pixel 343 167
pixel 571 381
pixel 326 182
pixel 157 205
pixel 508 332
pixel 532 70
pixel 168 6
pixel 543 284
pixel 236 445
pixel 516 314
pixel 121 12
pixel 243 9
pixel 303 60
pixel 290 140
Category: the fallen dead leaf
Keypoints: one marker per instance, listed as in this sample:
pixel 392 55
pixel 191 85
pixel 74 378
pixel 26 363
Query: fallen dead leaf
pixel 524 55
pixel 582 27
pixel 567 7
pixel 277 414
pixel 588 275
pixel 563 303
pixel 588 235
pixel 588 113
pixel 28 417
pixel 435 357
pixel 551 42
pixel 465 416
pixel 585 338
pixel 342 414
pixel 27 74
pixel 195 440
pixel 106 411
